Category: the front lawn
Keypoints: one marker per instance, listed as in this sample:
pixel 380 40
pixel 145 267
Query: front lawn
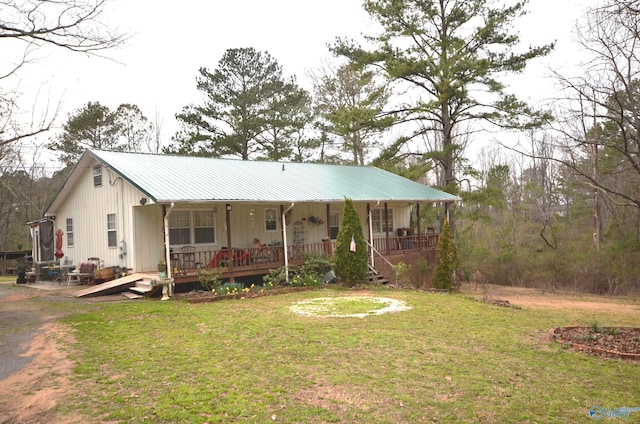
pixel 447 359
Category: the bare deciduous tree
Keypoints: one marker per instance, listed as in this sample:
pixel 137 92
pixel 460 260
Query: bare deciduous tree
pixel 29 25
pixel 600 135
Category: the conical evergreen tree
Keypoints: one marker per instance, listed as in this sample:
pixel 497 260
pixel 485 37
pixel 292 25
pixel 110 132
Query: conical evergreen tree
pixel 350 266
pixel 446 259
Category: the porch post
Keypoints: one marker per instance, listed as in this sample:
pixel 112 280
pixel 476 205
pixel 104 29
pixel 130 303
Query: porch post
pixel 327 219
pixel 386 225
pixel 229 249
pixel 418 218
pixel 167 248
pixel 370 228
pixel 284 241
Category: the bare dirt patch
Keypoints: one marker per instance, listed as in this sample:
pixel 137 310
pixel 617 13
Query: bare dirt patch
pixel 622 342
pixel 27 396
pixel 36 369
pixel 539 299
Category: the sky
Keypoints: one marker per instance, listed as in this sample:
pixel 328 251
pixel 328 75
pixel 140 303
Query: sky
pixel 169 41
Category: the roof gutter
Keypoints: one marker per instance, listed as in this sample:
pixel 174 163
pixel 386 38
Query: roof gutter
pixel 284 240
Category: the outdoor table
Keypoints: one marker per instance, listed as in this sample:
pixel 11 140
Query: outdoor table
pixel 53 272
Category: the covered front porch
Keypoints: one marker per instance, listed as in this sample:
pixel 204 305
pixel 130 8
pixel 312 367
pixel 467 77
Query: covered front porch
pixel 185 263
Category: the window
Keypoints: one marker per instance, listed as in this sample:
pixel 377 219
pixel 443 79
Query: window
pixel 334 225
pixel 97 175
pixel 270 220
pixel 69 232
pixel 203 227
pixel 112 236
pixel 377 220
pixel 192 227
pixel 180 227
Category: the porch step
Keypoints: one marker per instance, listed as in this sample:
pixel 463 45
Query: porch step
pixel 131 295
pixel 377 278
pixel 140 290
pixel 143 287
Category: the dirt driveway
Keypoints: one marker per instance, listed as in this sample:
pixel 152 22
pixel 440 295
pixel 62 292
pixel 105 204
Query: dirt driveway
pixel 35 372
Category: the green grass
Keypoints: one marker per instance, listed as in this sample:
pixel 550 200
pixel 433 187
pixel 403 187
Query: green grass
pixel 447 359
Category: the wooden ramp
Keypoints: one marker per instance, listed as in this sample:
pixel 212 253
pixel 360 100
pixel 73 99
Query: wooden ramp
pixel 114 286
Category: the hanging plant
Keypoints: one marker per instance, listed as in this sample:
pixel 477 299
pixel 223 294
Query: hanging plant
pixel 314 220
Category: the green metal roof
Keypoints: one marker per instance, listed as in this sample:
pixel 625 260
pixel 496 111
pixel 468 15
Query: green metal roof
pixel 167 178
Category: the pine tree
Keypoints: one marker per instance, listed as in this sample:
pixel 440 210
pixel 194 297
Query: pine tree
pixel 350 266
pixel 446 259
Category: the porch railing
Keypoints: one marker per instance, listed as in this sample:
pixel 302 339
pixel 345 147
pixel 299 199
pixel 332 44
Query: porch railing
pixel 273 256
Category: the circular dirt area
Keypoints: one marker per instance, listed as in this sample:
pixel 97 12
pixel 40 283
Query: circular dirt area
pixel 348 306
pixel 610 342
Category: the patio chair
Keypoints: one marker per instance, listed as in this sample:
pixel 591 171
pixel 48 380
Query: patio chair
pixel 84 274
pixel 66 266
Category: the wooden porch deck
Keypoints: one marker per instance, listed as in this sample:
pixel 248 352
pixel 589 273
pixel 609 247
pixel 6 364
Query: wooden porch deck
pixel 244 262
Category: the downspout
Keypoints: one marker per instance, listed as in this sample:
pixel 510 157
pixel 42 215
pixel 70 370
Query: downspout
pixel 122 217
pixel 284 242
pixel 167 253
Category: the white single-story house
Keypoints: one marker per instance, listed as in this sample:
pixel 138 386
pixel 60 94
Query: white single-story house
pixel 134 209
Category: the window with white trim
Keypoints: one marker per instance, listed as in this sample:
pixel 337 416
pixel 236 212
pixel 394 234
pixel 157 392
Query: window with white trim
pixel 69 232
pixel 203 227
pixel 112 236
pixel 378 224
pixel 180 227
pixel 190 227
pixel 334 225
pixel 270 219
pixel 97 175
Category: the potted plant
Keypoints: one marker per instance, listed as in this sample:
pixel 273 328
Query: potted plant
pixel 21 269
pixel 162 269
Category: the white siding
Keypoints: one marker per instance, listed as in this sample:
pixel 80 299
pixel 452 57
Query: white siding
pixel 88 206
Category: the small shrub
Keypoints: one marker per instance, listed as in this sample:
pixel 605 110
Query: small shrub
pixel 446 259
pixel 351 266
pixel 210 278
pixel 316 263
pixel 402 275
pixel 310 273
pixel 276 276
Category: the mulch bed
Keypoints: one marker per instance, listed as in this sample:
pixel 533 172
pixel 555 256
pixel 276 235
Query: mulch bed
pixel 608 342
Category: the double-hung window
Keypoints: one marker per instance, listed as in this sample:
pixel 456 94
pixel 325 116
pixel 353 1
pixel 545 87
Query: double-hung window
pixel 334 225
pixel 97 175
pixel 189 227
pixel 378 223
pixel 203 227
pixel 180 227
pixel 112 236
pixel 270 219
pixel 69 232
